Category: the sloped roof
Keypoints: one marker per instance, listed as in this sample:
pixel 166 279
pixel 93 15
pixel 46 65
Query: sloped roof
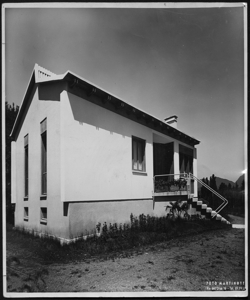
pixel 42 75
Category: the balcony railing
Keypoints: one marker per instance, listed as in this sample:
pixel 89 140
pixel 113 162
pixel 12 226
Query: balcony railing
pixel 171 183
pixel 182 184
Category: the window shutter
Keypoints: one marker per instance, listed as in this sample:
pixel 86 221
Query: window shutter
pixel 43 126
pixel 26 140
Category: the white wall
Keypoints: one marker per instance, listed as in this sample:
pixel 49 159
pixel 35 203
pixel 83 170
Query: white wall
pixel 195 173
pixel 13 172
pixel 42 106
pixel 98 153
pixel 84 216
pixel 89 157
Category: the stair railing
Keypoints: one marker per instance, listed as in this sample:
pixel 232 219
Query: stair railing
pixel 225 201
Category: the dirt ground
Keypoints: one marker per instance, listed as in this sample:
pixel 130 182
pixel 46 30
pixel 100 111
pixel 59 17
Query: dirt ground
pixel 183 264
pixel 237 220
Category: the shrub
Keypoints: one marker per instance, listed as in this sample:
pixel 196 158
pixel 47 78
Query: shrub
pixel 114 239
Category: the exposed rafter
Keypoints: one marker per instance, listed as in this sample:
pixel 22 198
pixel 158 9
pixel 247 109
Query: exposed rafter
pixel 91 91
pixel 78 85
pixel 73 83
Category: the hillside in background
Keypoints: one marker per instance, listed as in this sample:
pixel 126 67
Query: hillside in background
pixel 240 179
pixel 219 181
pixel 226 181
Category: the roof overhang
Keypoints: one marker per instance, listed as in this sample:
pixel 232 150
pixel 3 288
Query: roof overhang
pixel 23 106
pixel 103 98
pixel 115 104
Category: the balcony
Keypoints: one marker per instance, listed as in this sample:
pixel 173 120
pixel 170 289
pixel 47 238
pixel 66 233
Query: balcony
pixel 171 185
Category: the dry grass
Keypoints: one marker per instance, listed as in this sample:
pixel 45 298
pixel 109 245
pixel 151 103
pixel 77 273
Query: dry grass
pixel 29 258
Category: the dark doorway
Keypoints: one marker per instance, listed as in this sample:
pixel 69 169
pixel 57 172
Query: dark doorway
pixel 163 158
pixel 186 159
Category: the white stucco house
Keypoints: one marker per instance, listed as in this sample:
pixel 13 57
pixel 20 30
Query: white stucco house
pixel 81 156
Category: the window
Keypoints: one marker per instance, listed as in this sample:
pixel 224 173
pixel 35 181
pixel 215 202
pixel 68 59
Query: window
pixel 44 156
pixel 138 154
pixel 44 215
pixel 186 159
pixel 26 166
pixel 26 214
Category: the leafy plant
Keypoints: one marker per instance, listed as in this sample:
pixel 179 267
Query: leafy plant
pixel 114 240
pixel 104 228
pixel 166 184
pixel 98 227
pixel 178 210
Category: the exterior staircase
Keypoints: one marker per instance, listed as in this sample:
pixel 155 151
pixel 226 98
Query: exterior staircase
pixel 196 206
pixel 204 211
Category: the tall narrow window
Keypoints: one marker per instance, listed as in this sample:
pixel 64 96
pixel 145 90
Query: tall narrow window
pixel 43 213
pixel 26 166
pixel 138 154
pixel 26 214
pixel 44 155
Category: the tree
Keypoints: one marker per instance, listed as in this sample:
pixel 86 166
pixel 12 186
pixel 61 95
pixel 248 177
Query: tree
pixel 11 112
pixel 213 184
pixel 243 185
pixel 222 187
pixel 204 191
pixel 232 193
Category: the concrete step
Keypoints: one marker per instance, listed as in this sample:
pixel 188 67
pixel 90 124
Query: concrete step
pixel 213 213
pixel 203 209
pixel 218 217
pixel 209 210
pixel 198 207
pixel 194 203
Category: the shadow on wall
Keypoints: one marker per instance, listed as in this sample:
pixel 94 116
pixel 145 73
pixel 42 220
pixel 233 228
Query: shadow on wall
pixel 102 118
pixel 50 91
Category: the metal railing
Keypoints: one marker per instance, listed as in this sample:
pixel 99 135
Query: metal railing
pixel 170 183
pixel 183 181
pixel 225 201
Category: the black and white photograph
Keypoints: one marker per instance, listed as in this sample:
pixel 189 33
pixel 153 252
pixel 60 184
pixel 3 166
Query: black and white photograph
pixel 124 157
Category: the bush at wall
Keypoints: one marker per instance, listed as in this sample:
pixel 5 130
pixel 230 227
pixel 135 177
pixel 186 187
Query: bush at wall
pixel 114 239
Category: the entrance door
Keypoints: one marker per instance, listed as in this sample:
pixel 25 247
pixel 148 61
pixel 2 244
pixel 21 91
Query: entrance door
pixel 163 158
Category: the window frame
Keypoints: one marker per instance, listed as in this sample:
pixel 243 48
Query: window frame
pixel 43 220
pixel 43 126
pixel 26 214
pixel 26 166
pixel 186 159
pixel 138 141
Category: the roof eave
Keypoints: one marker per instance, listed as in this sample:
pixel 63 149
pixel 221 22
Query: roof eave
pixel 76 80
pixel 70 76
pixel 23 105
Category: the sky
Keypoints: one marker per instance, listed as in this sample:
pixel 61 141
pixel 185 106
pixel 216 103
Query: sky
pixel 166 61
